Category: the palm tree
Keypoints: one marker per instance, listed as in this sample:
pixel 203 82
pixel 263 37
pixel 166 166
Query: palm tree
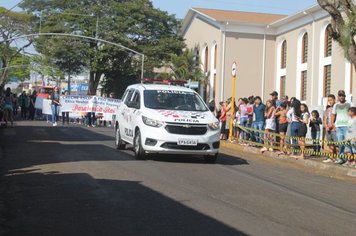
pixel 187 66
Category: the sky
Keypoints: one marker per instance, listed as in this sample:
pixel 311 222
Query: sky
pixel 181 7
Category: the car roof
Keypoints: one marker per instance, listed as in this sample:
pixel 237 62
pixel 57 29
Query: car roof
pixel 160 87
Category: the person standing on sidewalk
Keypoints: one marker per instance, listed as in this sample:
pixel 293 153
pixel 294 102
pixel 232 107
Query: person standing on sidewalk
pixel 24 104
pixel 31 108
pixel 8 107
pixel 303 129
pixel 330 128
pixel 65 114
pixel 283 125
pixel 258 119
pixel 270 126
pixel 315 122
pixel 341 119
pixel 222 119
pixel 54 97
pixel 350 149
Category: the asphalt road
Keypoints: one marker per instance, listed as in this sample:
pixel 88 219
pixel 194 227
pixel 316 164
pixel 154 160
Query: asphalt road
pixel 72 181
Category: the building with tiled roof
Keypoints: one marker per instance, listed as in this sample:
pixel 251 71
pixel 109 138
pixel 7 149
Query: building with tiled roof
pixel 293 55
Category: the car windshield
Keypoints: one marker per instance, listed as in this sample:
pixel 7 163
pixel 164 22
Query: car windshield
pixel 173 100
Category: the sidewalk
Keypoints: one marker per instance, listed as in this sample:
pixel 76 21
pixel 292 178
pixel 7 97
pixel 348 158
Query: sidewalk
pixel 314 164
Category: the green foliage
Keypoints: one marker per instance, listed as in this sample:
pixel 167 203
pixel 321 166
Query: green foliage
pixel 343 22
pixel 12 25
pixel 20 67
pixel 43 66
pixel 133 23
pixel 186 66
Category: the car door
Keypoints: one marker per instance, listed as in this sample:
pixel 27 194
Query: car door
pixel 124 122
pixel 134 108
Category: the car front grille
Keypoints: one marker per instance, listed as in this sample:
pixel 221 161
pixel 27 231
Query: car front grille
pixel 175 146
pixel 186 129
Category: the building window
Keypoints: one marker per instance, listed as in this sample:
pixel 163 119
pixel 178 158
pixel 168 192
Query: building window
pixel 328 42
pixel 282 86
pixel 206 60
pixel 284 55
pixel 327 80
pixel 215 56
pixel 304 86
pixel 305 48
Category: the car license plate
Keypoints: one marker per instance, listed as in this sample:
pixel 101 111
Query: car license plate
pixel 187 142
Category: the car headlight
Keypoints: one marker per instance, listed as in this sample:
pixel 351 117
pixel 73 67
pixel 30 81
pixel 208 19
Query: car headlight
pixel 152 122
pixel 214 126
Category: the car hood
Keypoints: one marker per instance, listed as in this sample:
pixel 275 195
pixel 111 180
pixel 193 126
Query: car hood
pixel 192 117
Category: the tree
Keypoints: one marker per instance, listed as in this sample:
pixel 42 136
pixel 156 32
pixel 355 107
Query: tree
pixel 343 25
pixel 12 24
pixel 20 67
pixel 45 67
pixel 187 66
pixel 132 23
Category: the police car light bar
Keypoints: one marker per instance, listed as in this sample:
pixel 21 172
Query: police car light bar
pixel 164 81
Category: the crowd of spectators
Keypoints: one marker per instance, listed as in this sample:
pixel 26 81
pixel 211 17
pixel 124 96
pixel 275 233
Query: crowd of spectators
pixel 284 123
pixel 22 106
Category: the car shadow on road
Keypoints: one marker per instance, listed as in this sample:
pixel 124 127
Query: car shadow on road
pixel 78 204
pixel 223 159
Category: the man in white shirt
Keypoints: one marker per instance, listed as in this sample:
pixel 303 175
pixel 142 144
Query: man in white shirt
pixel 341 119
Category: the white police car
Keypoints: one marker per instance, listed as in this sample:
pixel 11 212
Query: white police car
pixel 166 119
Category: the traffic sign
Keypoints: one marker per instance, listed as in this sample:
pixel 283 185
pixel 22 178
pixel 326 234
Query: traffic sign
pixel 234 69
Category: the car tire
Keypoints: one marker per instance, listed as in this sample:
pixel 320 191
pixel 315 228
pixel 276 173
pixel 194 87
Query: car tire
pixel 210 159
pixel 120 145
pixel 138 149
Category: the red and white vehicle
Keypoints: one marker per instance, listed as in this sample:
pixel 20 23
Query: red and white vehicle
pixel 166 119
pixel 44 91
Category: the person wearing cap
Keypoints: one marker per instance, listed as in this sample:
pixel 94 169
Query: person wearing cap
pixel 341 119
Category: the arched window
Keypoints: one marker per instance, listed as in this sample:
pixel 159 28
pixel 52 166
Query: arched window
pixel 206 60
pixel 215 55
pixel 328 41
pixel 284 55
pixel 305 48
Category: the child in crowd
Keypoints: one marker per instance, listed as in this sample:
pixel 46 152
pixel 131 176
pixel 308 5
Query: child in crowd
pixel 283 125
pixel 350 149
pixel 270 126
pixel 315 122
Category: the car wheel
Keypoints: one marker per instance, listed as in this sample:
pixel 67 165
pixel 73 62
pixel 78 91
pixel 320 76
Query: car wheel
pixel 118 141
pixel 211 159
pixel 138 149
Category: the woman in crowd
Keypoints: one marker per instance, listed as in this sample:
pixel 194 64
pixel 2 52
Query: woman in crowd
pixel 55 105
pixel 315 122
pixel 65 114
pixel 270 126
pixel 302 132
pixel 283 125
pixel 222 119
pixel 8 107
pixel 243 118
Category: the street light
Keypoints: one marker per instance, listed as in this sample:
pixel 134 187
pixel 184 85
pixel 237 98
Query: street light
pixel 15 6
pixel 72 14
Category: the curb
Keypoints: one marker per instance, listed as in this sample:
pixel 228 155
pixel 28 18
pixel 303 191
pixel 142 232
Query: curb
pixel 330 169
